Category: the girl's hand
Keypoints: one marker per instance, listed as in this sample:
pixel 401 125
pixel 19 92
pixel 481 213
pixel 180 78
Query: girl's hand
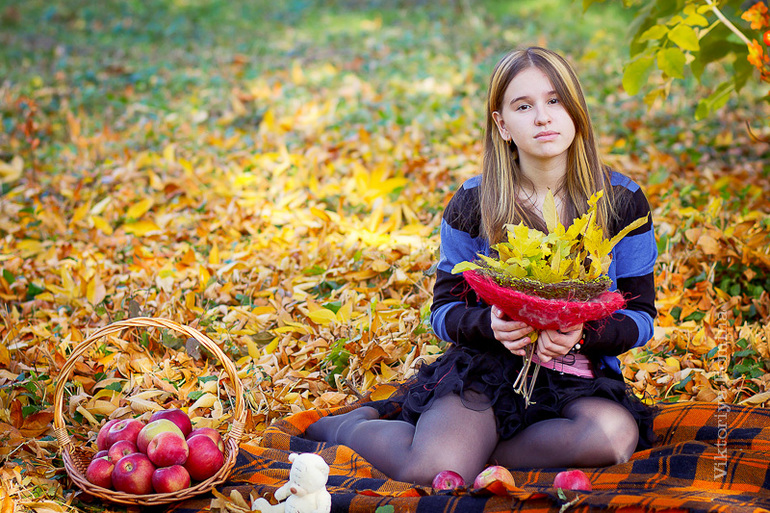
pixel 553 343
pixel 513 334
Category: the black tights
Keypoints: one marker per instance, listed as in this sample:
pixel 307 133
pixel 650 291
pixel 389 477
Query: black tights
pixel 450 436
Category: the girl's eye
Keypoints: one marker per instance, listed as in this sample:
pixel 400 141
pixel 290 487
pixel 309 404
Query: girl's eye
pixel 553 101
pixel 523 106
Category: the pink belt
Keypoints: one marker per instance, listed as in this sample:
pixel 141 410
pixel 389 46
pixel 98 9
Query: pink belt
pixel 575 364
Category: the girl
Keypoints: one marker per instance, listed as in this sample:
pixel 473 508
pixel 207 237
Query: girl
pixel 461 413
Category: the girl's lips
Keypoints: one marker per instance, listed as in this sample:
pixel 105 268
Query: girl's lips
pixel 546 135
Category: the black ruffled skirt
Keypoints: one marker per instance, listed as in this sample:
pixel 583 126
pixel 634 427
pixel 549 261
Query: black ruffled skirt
pixel 460 370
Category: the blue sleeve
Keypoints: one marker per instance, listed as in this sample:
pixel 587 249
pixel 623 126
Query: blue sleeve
pixel 632 272
pixel 457 315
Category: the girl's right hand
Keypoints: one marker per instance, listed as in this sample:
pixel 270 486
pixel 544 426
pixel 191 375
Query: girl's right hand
pixel 514 335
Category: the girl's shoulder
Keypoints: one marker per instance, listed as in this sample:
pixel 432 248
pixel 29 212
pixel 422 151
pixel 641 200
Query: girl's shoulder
pixel 463 210
pixel 630 204
pixel 619 180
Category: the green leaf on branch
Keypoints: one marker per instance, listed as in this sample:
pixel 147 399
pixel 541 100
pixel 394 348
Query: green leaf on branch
pixel 671 61
pixel 695 17
pixel 684 37
pixel 653 33
pixel 715 100
pixel 636 72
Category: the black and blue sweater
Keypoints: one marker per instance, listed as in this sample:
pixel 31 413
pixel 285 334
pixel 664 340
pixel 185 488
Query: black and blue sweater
pixel 459 317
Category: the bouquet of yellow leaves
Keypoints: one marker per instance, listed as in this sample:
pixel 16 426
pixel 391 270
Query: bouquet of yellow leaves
pixel 549 280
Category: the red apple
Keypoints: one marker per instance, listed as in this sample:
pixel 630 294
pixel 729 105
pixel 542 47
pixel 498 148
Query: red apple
pixel 176 416
pixel 572 480
pixel 153 429
pixel 170 479
pixel 124 430
pixel 133 474
pixel 99 472
pixel 448 480
pixel 121 448
pixel 167 449
pixel 205 458
pixel 101 438
pixel 496 479
pixel 211 433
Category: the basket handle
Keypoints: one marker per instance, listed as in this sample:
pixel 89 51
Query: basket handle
pixel 60 430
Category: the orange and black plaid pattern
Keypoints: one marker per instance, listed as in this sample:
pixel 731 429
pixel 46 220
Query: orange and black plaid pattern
pixel 709 457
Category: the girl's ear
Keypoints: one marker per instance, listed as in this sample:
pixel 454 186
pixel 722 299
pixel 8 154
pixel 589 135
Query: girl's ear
pixel 500 124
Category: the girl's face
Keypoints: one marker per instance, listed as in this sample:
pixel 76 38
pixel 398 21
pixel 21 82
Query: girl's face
pixel 533 117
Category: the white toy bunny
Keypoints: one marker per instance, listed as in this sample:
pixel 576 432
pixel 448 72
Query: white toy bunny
pixel 306 490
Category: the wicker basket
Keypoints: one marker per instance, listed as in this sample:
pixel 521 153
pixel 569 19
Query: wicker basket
pixel 76 459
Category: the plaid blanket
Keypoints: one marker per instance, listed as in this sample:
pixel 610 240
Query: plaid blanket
pixel 709 457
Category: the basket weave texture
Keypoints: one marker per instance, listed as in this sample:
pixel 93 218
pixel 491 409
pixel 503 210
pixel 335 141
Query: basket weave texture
pixel 76 459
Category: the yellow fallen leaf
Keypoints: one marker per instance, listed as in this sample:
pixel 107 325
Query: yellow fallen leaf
pixel 757 399
pixel 159 395
pixel 102 408
pixel 205 401
pixel 214 255
pixel 137 210
pixel 80 213
pixel 254 351
pixel 322 316
pixel 673 363
pixel 383 392
pixel 85 413
pixel 96 292
pixel 143 405
pixel 169 152
pixel 141 228
pixel 10 172
pixel 101 225
pixel 45 507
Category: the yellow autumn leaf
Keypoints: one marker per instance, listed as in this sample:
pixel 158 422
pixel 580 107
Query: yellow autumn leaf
pixel 345 313
pixel 101 225
pixel 138 209
pixel 214 255
pixel 322 316
pixel 207 400
pixel 140 405
pixel 67 283
pixel 141 228
pixel 252 348
pixel 169 152
pixel 11 171
pixel 550 215
pixel 673 363
pixel 95 291
pixel 80 213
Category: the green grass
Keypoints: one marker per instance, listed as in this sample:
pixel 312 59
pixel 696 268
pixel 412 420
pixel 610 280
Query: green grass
pixel 134 63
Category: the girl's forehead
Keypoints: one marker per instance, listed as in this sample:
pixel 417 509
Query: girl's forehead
pixel 529 81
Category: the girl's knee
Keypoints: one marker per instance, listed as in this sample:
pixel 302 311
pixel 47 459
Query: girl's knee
pixel 622 435
pixel 422 470
pixel 609 432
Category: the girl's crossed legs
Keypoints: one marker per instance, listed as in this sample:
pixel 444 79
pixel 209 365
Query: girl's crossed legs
pixel 448 436
pixel 451 436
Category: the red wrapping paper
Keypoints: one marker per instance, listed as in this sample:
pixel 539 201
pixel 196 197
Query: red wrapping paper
pixel 543 313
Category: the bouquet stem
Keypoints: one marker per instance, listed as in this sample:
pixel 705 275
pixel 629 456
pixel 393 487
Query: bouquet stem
pixel 522 385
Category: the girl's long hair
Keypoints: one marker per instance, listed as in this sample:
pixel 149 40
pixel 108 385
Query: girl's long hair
pixel 501 175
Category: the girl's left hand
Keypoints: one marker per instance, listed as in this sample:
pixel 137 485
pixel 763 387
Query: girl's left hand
pixel 553 343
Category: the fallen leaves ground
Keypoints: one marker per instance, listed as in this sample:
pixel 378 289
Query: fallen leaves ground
pixel 282 193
